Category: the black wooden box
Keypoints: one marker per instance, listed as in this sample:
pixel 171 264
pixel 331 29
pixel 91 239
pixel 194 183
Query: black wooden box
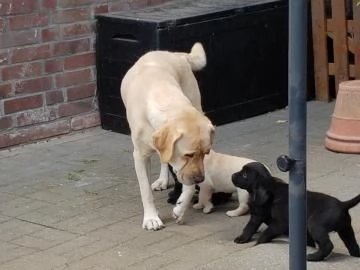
pixel 246 44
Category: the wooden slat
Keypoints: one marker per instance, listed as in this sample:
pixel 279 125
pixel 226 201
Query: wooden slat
pixel 356 39
pixel 351 45
pixel 332 71
pixel 320 50
pixel 330 25
pixel 340 42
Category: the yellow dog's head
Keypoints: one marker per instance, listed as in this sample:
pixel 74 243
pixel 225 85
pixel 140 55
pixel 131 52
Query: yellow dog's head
pixel 183 143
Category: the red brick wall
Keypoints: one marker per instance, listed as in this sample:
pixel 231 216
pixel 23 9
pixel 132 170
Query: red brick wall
pixel 47 72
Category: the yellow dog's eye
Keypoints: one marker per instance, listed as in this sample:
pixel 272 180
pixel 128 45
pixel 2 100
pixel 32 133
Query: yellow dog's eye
pixel 190 155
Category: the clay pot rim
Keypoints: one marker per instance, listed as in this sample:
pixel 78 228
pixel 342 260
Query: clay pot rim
pixel 343 138
pixel 350 84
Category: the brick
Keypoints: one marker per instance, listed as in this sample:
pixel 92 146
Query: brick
pixel 74 108
pixel 27 21
pixel 22 103
pixel 138 4
pixel 34 133
pixel 119 6
pixel 5 90
pixel 72 15
pixel 156 2
pixel 2 25
pixel 101 9
pixel 11 7
pixel 33 85
pixel 77 29
pixel 81 91
pixel 71 47
pixel 53 97
pixel 4 57
pixel 77 61
pixel 73 78
pixel 49 4
pixel 85 121
pixel 21 71
pixel 30 53
pixel 50 34
pixel 74 3
pixel 53 66
pixel 36 116
pixel 19 38
pixel 93 44
pixel 6 122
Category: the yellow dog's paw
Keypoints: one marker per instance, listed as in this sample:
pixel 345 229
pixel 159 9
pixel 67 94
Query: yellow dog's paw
pixel 159 184
pixel 152 223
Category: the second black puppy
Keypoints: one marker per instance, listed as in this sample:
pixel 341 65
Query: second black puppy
pixel 216 198
pixel 269 204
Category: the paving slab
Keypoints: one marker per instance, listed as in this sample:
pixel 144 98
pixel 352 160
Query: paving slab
pixel 74 203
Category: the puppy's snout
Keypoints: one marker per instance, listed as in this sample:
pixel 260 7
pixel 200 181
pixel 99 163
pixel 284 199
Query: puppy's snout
pixel 233 178
pixel 198 179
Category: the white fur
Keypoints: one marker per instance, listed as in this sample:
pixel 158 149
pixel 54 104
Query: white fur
pixel 159 87
pixel 218 172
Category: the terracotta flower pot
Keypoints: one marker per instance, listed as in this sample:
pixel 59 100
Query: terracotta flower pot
pixel 344 132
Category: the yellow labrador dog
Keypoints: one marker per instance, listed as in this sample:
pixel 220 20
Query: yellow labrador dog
pixel 163 108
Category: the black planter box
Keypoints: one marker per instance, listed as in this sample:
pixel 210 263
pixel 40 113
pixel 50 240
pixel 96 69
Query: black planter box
pixel 246 44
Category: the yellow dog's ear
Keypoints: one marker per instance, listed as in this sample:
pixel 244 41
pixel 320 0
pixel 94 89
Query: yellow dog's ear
pixel 212 134
pixel 164 140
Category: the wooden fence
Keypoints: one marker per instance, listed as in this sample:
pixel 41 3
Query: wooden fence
pixel 336 43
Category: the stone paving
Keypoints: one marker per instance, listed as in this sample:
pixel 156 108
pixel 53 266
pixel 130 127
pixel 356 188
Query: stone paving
pixel 74 203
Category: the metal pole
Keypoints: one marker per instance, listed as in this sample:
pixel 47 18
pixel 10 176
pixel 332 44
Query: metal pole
pixel 297 132
pixel 296 163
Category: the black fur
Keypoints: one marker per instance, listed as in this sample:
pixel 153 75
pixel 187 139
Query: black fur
pixel 176 192
pixel 217 197
pixel 269 204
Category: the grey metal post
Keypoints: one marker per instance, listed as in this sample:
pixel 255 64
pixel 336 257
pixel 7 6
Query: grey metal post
pixel 296 163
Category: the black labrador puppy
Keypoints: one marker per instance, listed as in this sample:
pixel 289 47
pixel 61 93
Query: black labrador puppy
pixel 269 204
pixel 217 197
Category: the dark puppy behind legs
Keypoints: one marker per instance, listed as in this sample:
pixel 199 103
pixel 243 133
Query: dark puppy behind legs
pixel 269 203
pixel 176 192
pixel 217 197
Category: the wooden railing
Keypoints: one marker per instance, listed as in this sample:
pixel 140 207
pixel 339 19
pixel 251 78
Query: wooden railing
pixel 336 43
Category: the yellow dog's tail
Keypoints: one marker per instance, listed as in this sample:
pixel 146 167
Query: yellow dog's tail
pixel 196 58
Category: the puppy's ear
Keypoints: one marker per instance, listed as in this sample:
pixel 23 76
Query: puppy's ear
pixel 260 195
pixel 164 141
pixel 261 170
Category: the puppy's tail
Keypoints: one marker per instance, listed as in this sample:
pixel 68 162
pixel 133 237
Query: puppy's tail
pixel 351 203
pixel 197 57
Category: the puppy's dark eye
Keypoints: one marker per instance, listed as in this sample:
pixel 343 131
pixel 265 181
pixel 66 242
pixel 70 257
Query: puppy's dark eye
pixel 244 175
pixel 190 155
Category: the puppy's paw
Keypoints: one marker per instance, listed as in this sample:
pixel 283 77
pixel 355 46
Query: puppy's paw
pixel 314 257
pixel 178 214
pixel 198 206
pixel 152 223
pixel 232 213
pixel 242 239
pixel 207 208
pixel 322 253
pixel 241 210
pixel 159 184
